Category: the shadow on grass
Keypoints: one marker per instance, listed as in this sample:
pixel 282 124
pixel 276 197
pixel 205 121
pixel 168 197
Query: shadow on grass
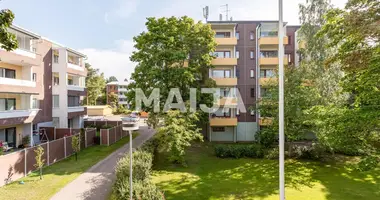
pixel 208 177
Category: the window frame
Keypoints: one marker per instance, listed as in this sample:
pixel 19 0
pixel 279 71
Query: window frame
pixel 251 54
pixel 252 92
pixel 252 73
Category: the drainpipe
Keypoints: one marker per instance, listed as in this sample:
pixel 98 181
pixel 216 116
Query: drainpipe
pixel 257 74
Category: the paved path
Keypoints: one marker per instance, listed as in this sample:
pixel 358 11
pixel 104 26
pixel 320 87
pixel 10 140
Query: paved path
pixel 96 183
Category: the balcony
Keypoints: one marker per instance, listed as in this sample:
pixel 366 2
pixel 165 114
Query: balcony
pixel 75 66
pixel 76 69
pixel 14 117
pixel 271 61
pixel 76 88
pixel 224 61
pixel 227 101
pixel 20 57
pixel 271 40
pixel 226 41
pixel 75 109
pixel 267 80
pixel 18 86
pixel 223 121
pixel 226 81
pixel 265 121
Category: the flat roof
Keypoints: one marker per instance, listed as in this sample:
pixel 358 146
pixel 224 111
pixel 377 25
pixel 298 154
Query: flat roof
pixel 26 32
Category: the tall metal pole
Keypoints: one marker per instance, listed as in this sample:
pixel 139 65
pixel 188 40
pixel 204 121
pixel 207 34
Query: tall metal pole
pixel 281 101
pixel 130 166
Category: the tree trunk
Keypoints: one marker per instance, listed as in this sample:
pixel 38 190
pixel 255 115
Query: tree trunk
pixel 41 173
pixel 76 156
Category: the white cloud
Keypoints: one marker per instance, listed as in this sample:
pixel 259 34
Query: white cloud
pixel 112 62
pixel 123 10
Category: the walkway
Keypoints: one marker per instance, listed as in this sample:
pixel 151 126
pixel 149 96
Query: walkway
pixel 96 183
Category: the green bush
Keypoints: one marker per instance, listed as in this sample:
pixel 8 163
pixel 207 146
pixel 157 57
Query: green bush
pixel 107 126
pixel 142 165
pixel 368 163
pixel 144 190
pixel 266 137
pixel 313 152
pixel 272 153
pixel 238 151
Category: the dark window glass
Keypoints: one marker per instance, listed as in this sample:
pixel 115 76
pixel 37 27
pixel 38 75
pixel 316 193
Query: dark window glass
pixel 252 92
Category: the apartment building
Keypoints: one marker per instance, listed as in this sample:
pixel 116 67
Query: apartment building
pixel 25 96
pixel 69 89
pixel 246 59
pixel 120 89
pixel 39 86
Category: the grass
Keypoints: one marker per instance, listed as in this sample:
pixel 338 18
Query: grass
pixel 209 177
pixel 56 176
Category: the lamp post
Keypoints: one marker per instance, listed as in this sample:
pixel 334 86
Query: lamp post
pixel 130 166
pixel 281 101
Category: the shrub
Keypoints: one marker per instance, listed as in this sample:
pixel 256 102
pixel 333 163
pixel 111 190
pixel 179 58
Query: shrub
pixel 238 150
pixel 272 153
pixel 313 152
pixel 266 137
pixel 106 126
pixel 142 164
pixel 141 190
pixel 368 163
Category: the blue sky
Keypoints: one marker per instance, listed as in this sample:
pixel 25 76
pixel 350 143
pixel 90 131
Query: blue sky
pixel 103 29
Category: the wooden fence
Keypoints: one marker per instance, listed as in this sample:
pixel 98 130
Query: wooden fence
pixel 112 135
pixel 100 124
pixel 20 163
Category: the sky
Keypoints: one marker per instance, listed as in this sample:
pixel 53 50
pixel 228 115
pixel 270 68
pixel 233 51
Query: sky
pixel 104 29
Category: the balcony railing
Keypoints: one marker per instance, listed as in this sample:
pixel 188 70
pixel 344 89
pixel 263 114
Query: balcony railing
pixel 18 113
pixel 75 109
pixel 223 121
pixel 75 88
pixel 225 81
pixel 75 66
pixel 224 61
pixel 226 41
pixel 17 82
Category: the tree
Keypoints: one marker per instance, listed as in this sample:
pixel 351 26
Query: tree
pixel 75 144
pixel 125 80
pixel 8 40
pixel 111 79
pixel 177 133
pixel 40 162
pixel 95 84
pixel 113 99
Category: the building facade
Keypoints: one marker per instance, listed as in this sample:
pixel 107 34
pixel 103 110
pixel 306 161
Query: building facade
pixel 246 59
pixel 26 88
pixel 120 89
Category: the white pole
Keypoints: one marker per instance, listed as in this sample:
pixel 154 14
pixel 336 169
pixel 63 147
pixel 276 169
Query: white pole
pixel 130 166
pixel 281 101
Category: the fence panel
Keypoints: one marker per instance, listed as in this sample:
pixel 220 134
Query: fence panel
pixel 12 167
pixel 31 157
pixel 90 133
pixel 104 136
pixel 112 123
pixel 69 147
pixel 118 134
pixel 56 151
pixel 112 135
pixel 49 132
pixel 62 132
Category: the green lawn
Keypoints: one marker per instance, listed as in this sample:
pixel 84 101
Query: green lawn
pixel 209 177
pixel 58 175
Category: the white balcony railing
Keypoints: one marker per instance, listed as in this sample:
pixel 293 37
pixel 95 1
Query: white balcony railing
pixel 25 52
pixel 17 82
pixel 18 113
pixel 75 109
pixel 122 89
pixel 74 66
pixel 75 87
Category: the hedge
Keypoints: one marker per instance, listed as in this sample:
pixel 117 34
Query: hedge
pixel 239 150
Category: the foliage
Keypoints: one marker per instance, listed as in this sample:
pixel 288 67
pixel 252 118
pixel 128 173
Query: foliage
pixel 8 40
pixel 153 120
pixel 177 133
pixel 239 151
pixel 75 144
pixel 141 190
pixel 266 137
pixel 368 163
pixel 313 152
pixel 40 162
pixel 121 110
pixel 112 99
pixel 111 79
pixel 26 140
pixel 95 84
pixel 272 153
pixel 107 126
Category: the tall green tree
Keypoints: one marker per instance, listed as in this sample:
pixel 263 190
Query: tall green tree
pixel 8 40
pixel 95 84
pixel 111 79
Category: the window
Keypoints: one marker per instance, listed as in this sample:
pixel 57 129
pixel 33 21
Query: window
pixel 221 73
pixel 237 54
pixel 251 35
pixel 34 77
pixel 218 129
pixel 7 104
pixel 55 78
pixel 223 112
pixel 70 123
pixel 267 73
pixel 55 101
pixel 252 92
pixel 73 101
pixel 252 73
pixel 56 58
pixel 264 92
pixel 70 82
pixel 269 54
pixel 222 34
pixel 8 135
pixel 56 122
pixel 7 73
pixel 237 35
pixel 222 54
pixel 35 103
pixel 251 54
pixel 224 92
pixel 288 56
pixel 237 73
pixel 252 112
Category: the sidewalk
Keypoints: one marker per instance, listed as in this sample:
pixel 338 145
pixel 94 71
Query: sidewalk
pixel 96 182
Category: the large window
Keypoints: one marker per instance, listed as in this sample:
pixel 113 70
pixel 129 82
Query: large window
pixel 55 78
pixel 222 34
pixel 7 73
pixel 8 135
pixel 7 104
pixel 55 101
pixel 269 54
pixel 252 54
pixel 267 73
pixel 252 92
pixel 223 112
pixel 70 82
pixel 73 101
pixel 222 54
pixel 237 35
pixel 35 103
pixel 221 73
pixel 224 92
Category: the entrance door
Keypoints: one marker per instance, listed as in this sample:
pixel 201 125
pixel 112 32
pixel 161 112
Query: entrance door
pixel 10 137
